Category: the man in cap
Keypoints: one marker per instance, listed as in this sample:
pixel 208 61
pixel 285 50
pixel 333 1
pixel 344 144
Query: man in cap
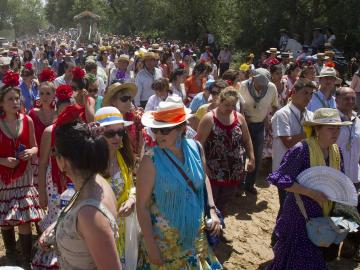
pixel 349 138
pixel 324 97
pixel 260 97
pixel 285 60
pixel 145 78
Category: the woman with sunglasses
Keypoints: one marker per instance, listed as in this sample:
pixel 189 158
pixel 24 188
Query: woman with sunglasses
pixel 50 180
pixel 119 176
pixel 170 188
pixel 121 97
pixel 214 90
pixel 79 84
pixel 92 88
pixel 225 136
pixel 18 197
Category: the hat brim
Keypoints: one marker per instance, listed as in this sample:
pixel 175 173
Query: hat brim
pixel 123 59
pixel 268 51
pixel 316 123
pixel 324 76
pixel 114 122
pixel 112 92
pixel 148 120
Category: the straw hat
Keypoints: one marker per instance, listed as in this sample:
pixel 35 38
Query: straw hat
pixel 5 61
pixel 169 113
pixel 116 88
pixel 326 117
pixel 273 50
pixel 327 72
pixel 107 116
pixel 124 57
pixel 149 56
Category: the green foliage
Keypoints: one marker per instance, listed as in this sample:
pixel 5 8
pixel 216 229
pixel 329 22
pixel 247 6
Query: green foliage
pixel 24 16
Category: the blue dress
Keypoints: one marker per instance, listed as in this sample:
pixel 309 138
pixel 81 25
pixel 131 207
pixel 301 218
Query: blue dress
pixel 294 250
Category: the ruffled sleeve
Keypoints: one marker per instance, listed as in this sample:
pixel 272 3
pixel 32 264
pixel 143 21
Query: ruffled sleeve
pixel 295 161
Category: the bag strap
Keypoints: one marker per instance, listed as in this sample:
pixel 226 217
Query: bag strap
pixel 187 179
pixel 301 206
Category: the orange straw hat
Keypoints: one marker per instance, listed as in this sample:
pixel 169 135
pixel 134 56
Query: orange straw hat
pixel 169 113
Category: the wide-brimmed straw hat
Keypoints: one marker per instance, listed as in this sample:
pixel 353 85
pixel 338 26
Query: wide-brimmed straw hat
pixel 107 116
pixel 326 117
pixel 169 113
pixel 123 57
pixel 327 72
pixel 116 88
pixel 273 50
pixel 149 56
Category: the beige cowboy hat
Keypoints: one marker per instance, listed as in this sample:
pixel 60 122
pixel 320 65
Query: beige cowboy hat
pixel 327 72
pixel 116 88
pixel 327 117
pixel 273 50
pixel 150 56
pixel 123 57
pixel 169 113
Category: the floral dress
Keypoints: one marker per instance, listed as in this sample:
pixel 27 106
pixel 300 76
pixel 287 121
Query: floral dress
pixel 175 253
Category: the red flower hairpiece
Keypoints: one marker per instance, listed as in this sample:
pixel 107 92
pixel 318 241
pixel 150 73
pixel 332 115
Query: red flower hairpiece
pixel 229 82
pixel 47 75
pixel 78 73
pixel 182 66
pixel 28 65
pixel 70 114
pixel 330 63
pixel 63 92
pixel 11 78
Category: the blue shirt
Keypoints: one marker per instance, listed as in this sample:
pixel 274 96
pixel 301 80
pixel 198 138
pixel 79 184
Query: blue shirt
pixel 29 96
pixel 318 101
pixel 197 101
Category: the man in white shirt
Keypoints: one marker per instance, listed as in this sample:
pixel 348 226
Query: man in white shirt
pixel 287 127
pixel 92 67
pixel 260 96
pixel 67 76
pixel 224 58
pixel 349 138
pixel 145 78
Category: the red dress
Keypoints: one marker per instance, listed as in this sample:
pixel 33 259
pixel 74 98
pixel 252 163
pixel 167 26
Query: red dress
pixel 38 126
pixel 18 197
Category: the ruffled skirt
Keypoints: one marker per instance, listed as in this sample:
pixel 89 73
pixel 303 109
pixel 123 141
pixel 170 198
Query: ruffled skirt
pixel 19 201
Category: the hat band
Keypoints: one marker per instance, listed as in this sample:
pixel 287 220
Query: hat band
pixel 171 116
pixel 327 120
pixel 105 117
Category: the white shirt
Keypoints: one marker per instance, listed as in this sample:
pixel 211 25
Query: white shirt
pixel 286 122
pixel 351 153
pixel 59 81
pixel 153 103
pixel 143 81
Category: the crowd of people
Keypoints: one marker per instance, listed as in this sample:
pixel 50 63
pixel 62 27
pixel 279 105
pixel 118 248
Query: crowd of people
pixel 157 138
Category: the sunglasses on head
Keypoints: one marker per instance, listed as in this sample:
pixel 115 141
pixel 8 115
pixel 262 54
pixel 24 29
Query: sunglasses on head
pixel 163 131
pixel 112 133
pixel 125 98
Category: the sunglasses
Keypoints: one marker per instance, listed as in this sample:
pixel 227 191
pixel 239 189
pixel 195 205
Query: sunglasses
pixel 125 98
pixel 112 133
pixel 163 131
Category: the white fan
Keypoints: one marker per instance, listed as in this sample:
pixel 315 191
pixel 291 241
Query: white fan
pixel 333 183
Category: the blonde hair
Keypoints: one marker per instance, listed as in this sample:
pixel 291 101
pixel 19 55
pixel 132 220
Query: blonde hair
pixel 229 92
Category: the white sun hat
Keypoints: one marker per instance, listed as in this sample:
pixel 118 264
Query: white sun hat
pixel 327 117
pixel 169 113
pixel 107 116
pixel 333 183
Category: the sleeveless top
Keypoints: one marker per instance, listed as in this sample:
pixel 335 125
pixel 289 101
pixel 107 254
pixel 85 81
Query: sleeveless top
pixel 224 153
pixel 8 149
pixel 38 126
pixel 72 249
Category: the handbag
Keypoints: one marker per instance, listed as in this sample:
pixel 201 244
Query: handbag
pixel 213 240
pixel 322 231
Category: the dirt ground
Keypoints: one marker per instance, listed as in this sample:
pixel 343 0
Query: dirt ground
pixel 249 224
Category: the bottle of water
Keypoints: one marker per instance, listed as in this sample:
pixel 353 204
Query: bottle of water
pixel 66 196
